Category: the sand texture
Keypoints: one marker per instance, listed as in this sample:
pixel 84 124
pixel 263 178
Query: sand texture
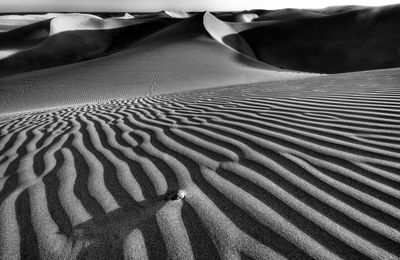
pixel 308 169
pixel 65 59
pixel 176 135
pixel 155 56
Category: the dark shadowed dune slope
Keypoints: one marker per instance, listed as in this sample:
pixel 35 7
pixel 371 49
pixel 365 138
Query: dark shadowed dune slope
pixel 287 14
pixel 31 32
pixel 71 45
pixel 356 40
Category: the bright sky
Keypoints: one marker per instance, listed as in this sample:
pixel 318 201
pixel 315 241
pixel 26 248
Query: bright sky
pixel 157 5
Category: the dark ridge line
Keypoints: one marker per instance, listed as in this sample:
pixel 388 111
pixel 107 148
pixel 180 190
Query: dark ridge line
pixel 57 212
pixel 135 168
pixel 328 241
pixel 80 189
pixel 111 181
pixel 311 153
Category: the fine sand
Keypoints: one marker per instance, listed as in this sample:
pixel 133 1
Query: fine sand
pixel 301 169
pixel 179 135
pixel 155 56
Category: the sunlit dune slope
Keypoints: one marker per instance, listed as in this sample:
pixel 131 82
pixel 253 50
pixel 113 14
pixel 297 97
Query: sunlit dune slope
pixel 177 14
pixel 12 22
pixel 75 37
pixel 180 56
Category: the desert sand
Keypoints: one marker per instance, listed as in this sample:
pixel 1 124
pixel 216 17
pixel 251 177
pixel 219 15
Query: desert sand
pixel 152 136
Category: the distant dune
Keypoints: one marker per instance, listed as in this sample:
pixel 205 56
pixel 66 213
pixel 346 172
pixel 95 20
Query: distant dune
pixel 12 22
pixel 176 135
pixel 72 38
pixel 330 40
pixel 355 40
pixel 160 55
pixel 177 14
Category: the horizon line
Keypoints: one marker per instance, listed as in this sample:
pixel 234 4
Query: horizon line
pixel 40 6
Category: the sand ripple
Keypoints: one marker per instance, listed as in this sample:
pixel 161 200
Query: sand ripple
pixel 268 172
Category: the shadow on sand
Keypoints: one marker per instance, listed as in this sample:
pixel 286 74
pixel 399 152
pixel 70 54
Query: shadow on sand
pixel 105 234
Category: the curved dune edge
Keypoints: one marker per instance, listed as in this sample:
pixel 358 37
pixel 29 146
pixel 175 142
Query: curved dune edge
pixel 354 40
pixel 219 30
pixel 74 38
pixel 92 37
pixel 7 53
pixel 268 171
pixel 78 22
pixel 12 22
pixel 72 24
pixel 177 14
pixel 67 22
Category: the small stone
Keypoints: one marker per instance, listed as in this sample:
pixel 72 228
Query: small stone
pixel 176 195
pixel 180 195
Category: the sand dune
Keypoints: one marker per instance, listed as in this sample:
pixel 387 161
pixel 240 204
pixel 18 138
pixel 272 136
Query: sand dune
pixel 72 38
pixel 12 22
pixel 220 30
pixel 23 38
pixel 245 16
pixel 360 39
pixel 304 169
pixel 177 14
pixel 339 9
pixel 331 40
pixel 78 22
pixel 319 41
pixel 172 51
pixel 150 136
pixel 288 14
pixel 162 56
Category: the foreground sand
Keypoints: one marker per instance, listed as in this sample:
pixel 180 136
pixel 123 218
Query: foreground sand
pixel 302 169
